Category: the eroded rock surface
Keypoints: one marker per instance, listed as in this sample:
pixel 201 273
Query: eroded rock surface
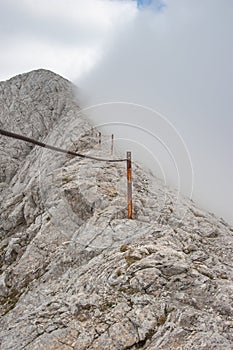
pixel 75 273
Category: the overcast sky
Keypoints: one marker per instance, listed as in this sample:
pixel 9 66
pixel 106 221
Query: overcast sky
pixel 170 62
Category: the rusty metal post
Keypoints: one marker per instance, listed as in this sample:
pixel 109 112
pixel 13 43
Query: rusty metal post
pixel 112 144
pixel 100 139
pixel 129 185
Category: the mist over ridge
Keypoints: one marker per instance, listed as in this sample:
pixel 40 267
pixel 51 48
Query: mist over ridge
pixel 176 61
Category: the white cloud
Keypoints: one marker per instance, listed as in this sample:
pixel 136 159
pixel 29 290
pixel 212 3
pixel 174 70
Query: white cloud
pixel 178 61
pixel 98 14
pixel 77 60
pixel 64 33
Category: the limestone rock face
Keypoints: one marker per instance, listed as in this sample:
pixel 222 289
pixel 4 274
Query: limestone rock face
pixel 75 273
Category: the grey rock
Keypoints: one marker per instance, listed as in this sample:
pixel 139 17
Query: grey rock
pixel 75 272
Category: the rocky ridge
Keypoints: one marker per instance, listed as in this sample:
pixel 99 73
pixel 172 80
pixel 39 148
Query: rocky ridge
pixel 75 273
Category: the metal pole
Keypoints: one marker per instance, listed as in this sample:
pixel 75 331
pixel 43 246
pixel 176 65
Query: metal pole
pixel 129 185
pixel 112 145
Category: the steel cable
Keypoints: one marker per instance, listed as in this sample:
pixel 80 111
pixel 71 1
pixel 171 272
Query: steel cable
pixel 57 149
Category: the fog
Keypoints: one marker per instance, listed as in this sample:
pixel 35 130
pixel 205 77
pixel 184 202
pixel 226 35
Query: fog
pixel 65 36
pixel 170 70
pixel 167 64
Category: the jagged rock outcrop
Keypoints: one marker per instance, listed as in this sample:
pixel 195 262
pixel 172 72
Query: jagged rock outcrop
pixel 75 273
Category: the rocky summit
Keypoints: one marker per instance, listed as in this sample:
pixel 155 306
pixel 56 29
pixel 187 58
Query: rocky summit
pixel 75 272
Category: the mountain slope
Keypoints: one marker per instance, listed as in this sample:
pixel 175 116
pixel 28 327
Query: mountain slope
pixel 75 273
